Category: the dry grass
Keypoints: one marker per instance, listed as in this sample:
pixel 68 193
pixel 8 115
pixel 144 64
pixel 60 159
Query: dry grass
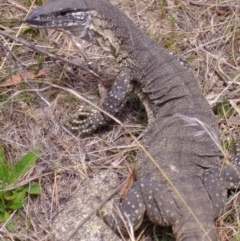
pixel 32 113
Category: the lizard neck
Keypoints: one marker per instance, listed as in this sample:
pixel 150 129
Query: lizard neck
pixel 99 32
pixel 103 34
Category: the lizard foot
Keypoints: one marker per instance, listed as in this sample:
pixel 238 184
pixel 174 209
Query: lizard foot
pixel 86 121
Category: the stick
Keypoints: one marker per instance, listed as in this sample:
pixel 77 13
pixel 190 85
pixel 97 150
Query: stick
pixel 52 56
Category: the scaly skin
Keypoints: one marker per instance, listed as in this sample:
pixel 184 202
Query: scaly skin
pixel 170 93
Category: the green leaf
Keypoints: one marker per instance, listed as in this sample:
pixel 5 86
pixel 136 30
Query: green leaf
pixel 4 216
pixel 15 204
pixel 19 195
pixel 2 158
pixel 2 203
pixel 4 175
pixel 4 170
pixel 33 188
pixel 1 217
pixel 2 208
pixel 15 195
pixel 10 227
pixel 9 195
pixel 24 164
pixel 13 199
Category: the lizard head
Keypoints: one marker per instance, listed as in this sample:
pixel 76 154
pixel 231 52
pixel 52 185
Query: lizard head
pixel 73 15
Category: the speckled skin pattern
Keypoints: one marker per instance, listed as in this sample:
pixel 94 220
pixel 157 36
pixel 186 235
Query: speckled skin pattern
pixel 166 87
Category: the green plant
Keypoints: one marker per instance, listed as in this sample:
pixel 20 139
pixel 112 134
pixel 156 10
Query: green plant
pixel 166 233
pixel 172 21
pixel 163 8
pixel 12 194
pixel 28 3
pixel 224 109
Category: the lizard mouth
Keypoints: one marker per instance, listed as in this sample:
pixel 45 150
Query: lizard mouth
pixel 61 19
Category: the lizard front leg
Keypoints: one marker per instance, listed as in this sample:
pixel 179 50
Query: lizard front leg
pixel 113 104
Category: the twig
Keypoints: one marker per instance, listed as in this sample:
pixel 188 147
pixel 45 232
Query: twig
pixel 148 6
pixel 52 56
pixel 236 78
pixel 16 61
pixel 93 212
pixel 17 5
pixel 78 45
pixel 18 32
pixel 207 4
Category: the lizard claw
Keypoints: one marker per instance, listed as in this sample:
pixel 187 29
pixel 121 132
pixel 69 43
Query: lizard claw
pixel 86 121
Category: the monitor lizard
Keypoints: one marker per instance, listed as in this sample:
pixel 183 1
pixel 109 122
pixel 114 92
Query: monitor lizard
pixel 174 137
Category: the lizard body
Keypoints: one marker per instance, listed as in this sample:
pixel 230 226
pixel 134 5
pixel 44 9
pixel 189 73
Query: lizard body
pixel 167 88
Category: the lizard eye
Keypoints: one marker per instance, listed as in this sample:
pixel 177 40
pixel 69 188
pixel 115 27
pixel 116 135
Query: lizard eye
pixel 63 13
